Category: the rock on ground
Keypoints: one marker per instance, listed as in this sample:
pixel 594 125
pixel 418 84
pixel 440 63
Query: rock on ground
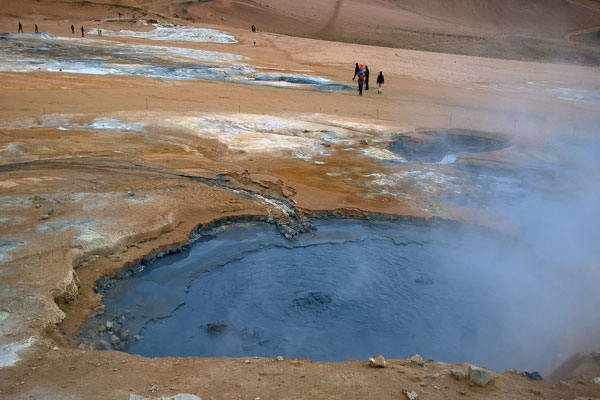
pixel 377 361
pixel 479 376
pixel 458 374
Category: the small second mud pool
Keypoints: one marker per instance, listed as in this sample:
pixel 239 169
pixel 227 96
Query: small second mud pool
pixel 443 146
pixel 346 290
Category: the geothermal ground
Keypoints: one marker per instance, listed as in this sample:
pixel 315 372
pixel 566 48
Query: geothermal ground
pixel 179 208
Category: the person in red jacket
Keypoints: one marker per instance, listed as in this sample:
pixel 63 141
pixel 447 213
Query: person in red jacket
pixel 361 80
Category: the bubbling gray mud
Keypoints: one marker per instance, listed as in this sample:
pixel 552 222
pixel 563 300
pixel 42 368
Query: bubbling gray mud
pixel 344 291
pixel 443 146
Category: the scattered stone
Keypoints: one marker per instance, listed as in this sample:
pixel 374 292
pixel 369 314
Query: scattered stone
pixel 377 361
pixel 458 374
pixel 479 376
pixel 102 345
pixel 597 380
pixel 533 375
pixel 114 340
pixel 36 197
pixel 417 359
pixel 137 338
pixel 535 391
pixel 50 211
pixel 38 206
pixel 136 397
pixel 154 388
pixel 109 325
pixel 45 216
pixel 94 188
pixel 130 193
pixel 246 361
pixel 462 392
pixel 410 395
pixel 279 358
pixel 125 335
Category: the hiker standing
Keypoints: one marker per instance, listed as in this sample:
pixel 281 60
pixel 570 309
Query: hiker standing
pixel 36 29
pixel 20 27
pixel 379 82
pixel 72 29
pixel 366 77
pixel 82 32
pixel 361 80
pixel 254 41
pixel 356 69
pixel 253 28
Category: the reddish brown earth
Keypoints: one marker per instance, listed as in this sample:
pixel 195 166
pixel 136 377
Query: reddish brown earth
pixel 46 285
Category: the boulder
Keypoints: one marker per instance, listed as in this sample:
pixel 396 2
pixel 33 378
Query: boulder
pixel 479 376
pixel 377 361
pixel 417 359
pixel 533 375
pixel 409 394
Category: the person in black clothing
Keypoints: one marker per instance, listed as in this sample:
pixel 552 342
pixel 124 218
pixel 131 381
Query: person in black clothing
pixel 379 82
pixel 20 27
pixel 36 28
pixel 356 70
pixel 72 29
pixel 366 77
pixel 82 31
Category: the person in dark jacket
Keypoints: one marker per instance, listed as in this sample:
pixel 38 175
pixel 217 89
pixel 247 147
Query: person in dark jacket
pixel 72 29
pixel 356 70
pixel 379 82
pixel 82 32
pixel 361 80
pixel 20 27
pixel 36 29
pixel 366 77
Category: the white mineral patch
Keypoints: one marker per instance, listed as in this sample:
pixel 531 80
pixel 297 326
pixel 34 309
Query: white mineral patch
pixel 448 159
pixel 174 33
pixel 382 154
pixel 9 353
pixel 115 125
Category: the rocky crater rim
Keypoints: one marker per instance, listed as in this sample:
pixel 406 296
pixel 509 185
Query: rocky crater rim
pixel 289 231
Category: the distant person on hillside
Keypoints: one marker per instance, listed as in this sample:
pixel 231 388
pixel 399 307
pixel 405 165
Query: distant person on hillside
pixel 254 41
pixel 379 82
pixel 82 32
pixel 20 27
pixel 253 28
pixel 72 29
pixel 356 69
pixel 361 80
pixel 99 31
pixel 366 77
pixel 36 29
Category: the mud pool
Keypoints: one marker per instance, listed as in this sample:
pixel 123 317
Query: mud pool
pixel 44 52
pixel 443 146
pixel 347 290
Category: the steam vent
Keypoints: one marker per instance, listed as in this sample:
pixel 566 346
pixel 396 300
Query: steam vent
pixel 277 199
